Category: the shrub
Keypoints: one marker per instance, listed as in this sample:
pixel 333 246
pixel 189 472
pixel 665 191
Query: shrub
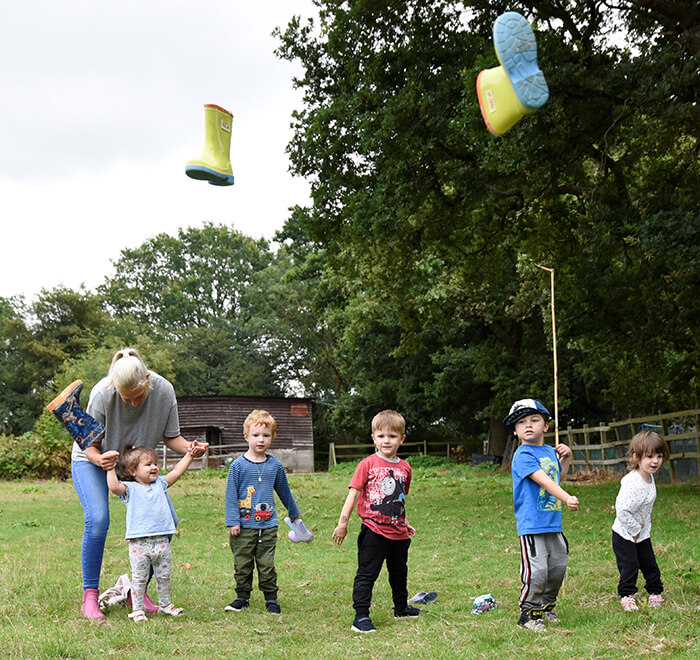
pixel 430 461
pixel 43 453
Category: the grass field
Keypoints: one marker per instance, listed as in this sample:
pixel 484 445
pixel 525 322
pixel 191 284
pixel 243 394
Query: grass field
pixel 466 546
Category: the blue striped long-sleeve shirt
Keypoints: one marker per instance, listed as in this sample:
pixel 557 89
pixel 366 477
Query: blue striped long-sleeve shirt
pixel 249 493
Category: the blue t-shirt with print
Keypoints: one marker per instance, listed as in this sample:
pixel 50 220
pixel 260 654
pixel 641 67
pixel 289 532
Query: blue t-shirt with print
pixel 536 510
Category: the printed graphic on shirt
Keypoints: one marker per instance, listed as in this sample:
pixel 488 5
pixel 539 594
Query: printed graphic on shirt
pixel 262 511
pixel 387 494
pixel 545 500
pixel 244 506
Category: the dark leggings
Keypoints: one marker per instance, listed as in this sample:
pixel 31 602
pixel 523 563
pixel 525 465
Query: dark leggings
pixel 631 558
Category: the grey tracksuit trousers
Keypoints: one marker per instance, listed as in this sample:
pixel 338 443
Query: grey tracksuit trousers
pixel 542 568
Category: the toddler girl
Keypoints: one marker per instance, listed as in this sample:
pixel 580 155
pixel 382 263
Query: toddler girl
pixel 631 538
pixel 150 522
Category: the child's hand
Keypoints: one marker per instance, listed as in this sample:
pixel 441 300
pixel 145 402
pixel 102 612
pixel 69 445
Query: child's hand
pixel 197 449
pixel 411 530
pixel 563 451
pixel 108 460
pixel 234 530
pixel 572 503
pixel 339 533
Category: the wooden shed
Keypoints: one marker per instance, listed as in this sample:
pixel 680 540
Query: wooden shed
pixel 218 420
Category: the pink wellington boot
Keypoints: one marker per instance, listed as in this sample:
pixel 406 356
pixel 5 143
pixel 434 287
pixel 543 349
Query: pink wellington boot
pixel 149 607
pixel 90 609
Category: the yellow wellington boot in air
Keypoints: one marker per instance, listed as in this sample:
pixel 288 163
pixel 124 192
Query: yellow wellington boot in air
pixel 214 165
pixel 498 101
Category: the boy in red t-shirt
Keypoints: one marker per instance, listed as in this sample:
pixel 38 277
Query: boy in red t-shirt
pixel 379 488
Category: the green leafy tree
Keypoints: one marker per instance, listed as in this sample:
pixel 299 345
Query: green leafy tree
pixel 60 324
pixel 198 291
pixel 431 229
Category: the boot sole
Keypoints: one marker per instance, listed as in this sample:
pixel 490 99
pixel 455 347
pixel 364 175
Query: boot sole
pixel 516 49
pixel 60 399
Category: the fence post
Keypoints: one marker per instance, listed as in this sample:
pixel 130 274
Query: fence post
pixel 425 447
pixel 331 455
pixel 206 458
pixel 448 449
pixel 587 440
pixel 664 432
pixel 570 440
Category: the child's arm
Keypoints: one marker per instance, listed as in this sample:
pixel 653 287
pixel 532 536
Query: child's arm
pixel 114 485
pixel 565 455
pixel 284 492
pixel 342 529
pixel 179 469
pixel 232 511
pixel 540 478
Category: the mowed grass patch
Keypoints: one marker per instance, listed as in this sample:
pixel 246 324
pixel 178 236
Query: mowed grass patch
pixel 466 545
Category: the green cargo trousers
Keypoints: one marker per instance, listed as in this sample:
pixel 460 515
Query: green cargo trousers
pixel 251 548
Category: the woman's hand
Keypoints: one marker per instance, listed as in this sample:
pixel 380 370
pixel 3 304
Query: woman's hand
pixel 108 460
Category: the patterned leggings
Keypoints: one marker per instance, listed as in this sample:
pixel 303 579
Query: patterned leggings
pixel 144 553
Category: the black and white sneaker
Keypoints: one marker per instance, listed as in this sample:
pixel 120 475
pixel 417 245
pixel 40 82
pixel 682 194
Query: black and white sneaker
pixel 409 610
pixel 532 623
pixel 237 605
pixel 273 607
pixel 363 625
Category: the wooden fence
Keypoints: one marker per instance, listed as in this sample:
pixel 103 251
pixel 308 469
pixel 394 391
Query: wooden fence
pixel 422 448
pixel 605 446
pixel 594 447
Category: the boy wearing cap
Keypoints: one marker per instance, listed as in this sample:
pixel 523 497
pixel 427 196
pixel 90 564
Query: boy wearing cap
pixel 537 469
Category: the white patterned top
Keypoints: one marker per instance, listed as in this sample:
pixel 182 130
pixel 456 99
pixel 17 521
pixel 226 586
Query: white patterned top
pixel 633 507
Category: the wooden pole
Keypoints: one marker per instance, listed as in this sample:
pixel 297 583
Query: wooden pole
pixel 554 352
pixel 556 380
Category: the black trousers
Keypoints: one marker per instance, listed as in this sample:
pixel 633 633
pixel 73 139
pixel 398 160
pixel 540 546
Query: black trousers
pixel 631 558
pixel 372 550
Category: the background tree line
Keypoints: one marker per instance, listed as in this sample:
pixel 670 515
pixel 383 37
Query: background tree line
pixel 411 281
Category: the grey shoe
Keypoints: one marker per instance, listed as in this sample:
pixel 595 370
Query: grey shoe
pixel 534 624
pixel 551 617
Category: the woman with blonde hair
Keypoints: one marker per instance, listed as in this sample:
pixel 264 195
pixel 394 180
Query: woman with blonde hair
pixel 137 407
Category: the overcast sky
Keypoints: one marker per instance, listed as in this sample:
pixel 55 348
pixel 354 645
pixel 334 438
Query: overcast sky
pixel 101 106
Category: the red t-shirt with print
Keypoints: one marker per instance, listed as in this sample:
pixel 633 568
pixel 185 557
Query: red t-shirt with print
pixel 383 487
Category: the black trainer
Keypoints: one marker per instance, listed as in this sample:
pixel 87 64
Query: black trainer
pixel 409 610
pixel 237 605
pixel 363 625
pixel 273 607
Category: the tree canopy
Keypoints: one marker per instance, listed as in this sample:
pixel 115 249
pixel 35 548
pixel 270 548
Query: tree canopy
pixel 431 229
pixel 412 280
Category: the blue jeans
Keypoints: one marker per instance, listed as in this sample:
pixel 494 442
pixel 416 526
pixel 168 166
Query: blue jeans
pixel 90 482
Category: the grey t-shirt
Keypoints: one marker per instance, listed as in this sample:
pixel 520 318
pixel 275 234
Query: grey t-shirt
pixel 145 425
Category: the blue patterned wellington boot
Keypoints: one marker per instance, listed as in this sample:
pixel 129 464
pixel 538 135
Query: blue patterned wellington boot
pixel 516 49
pixel 84 428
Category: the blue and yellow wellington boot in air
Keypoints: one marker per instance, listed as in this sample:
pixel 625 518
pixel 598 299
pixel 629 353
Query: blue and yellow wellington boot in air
pixel 500 106
pixel 83 428
pixel 214 165
pixel 518 87
pixel 516 50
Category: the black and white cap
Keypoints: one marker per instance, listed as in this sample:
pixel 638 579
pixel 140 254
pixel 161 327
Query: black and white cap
pixel 523 408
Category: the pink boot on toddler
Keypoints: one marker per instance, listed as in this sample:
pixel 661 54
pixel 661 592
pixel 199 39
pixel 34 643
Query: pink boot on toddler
pixel 149 607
